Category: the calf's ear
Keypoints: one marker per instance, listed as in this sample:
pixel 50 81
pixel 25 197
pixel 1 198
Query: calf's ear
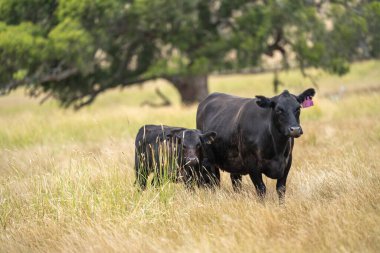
pixel 168 136
pixel 264 102
pixel 307 93
pixel 208 137
pixel 179 137
pixel 171 136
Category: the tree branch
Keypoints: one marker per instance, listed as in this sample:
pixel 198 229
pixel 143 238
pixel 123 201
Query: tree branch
pixel 53 77
pixel 277 45
pixel 305 74
pixel 92 96
pixel 138 81
pixel 88 101
pixel 44 99
pixel 165 102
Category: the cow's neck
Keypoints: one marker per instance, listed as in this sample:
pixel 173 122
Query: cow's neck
pixel 279 141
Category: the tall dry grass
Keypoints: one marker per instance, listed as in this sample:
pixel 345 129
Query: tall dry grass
pixel 66 178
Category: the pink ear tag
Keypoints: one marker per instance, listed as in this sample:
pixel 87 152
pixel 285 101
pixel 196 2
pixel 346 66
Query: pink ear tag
pixel 307 102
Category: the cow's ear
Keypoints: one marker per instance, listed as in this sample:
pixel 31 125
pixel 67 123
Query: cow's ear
pixel 264 102
pixel 307 93
pixel 208 137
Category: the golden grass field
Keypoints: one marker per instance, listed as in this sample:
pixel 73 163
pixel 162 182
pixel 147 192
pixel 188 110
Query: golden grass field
pixel 66 178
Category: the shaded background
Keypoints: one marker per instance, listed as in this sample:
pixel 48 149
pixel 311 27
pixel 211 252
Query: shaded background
pixel 73 51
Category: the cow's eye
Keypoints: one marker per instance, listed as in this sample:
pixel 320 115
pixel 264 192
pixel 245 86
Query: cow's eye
pixel 280 110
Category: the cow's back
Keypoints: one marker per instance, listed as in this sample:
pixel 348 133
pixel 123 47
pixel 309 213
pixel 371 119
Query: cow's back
pixel 220 112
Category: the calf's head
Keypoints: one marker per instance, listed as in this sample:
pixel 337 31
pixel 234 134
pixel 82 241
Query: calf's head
pixel 286 109
pixel 191 144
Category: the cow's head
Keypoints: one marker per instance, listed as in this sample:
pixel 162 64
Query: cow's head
pixel 286 109
pixel 191 144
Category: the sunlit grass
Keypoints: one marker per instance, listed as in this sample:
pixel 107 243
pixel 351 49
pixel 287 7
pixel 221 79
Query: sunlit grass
pixel 66 178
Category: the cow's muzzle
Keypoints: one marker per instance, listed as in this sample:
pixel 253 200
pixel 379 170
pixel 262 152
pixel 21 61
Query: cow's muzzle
pixel 295 131
pixel 191 161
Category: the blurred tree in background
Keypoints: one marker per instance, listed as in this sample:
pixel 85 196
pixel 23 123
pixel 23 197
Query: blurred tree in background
pixel 73 50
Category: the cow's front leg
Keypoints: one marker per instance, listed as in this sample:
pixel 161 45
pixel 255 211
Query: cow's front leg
pixel 216 178
pixel 281 183
pixel 257 180
pixel 236 181
pixel 210 177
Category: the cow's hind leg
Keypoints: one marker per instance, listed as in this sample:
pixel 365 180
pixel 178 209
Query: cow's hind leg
pixel 236 181
pixel 257 180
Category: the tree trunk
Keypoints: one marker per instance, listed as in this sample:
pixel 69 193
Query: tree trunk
pixel 191 88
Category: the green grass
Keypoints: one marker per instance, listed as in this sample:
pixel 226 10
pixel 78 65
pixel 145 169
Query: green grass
pixel 66 178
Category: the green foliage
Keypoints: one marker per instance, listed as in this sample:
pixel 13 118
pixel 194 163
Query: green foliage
pixel 22 48
pixel 372 15
pixel 76 49
pixel 35 11
pixel 71 42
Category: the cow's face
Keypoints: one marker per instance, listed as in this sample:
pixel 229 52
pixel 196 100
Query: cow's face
pixel 286 109
pixel 191 143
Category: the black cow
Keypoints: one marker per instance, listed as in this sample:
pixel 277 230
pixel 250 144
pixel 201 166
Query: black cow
pixel 174 153
pixel 255 135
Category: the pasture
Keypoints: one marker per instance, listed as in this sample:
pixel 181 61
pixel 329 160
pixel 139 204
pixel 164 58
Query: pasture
pixel 66 178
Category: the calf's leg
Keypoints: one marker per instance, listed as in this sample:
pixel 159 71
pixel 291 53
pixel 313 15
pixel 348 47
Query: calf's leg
pixel 141 172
